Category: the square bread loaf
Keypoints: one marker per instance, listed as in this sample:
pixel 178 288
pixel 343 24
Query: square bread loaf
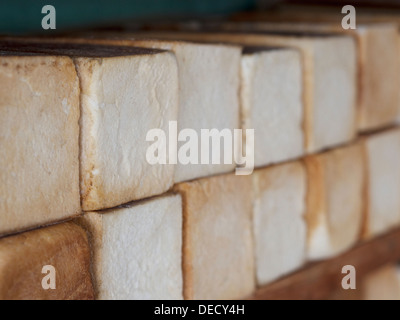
pixel 378 63
pixel 279 224
pixel 271 103
pixel 137 250
pixel 124 93
pixel 209 81
pixel 383 159
pixel 329 79
pixel 24 261
pixel 335 198
pixel 122 100
pixel 39 140
pixel 218 259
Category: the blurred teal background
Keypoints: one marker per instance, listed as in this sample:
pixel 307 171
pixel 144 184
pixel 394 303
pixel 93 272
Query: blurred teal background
pixel 25 16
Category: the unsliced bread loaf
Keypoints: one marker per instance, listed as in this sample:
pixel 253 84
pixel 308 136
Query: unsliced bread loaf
pixel 329 79
pixel 23 258
pixel 279 220
pixel 378 64
pixel 383 159
pixel 218 260
pixel 271 103
pixel 137 250
pixel 39 140
pixel 334 200
pixel 125 93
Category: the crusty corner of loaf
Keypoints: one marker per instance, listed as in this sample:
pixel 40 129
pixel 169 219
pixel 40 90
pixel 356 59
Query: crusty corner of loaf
pixel 92 223
pixel 86 66
pixel 193 194
pixel 74 242
pixel 315 198
pixel 182 187
pixel 184 190
pixel 89 197
pixel 365 232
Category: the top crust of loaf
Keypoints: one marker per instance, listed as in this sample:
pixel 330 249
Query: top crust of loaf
pixel 231 39
pixel 127 39
pixel 106 42
pixel 71 49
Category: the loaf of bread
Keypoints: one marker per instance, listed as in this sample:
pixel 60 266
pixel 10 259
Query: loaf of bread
pixel 383 159
pixel 137 250
pixel 383 284
pixel 378 64
pixel 271 103
pixel 39 140
pixel 122 100
pixel 279 220
pixel 335 198
pixel 218 261
pixel 209 76
pixel 124 92
pixel 52 263
pixel 329 79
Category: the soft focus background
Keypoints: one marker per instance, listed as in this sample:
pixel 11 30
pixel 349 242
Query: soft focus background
pixel 24 16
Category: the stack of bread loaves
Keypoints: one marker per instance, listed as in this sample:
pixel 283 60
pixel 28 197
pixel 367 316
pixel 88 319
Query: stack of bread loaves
pixel 78 193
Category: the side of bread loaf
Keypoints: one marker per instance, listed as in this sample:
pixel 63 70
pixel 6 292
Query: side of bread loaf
pixel 335 193
pixel 39 141
pixel 383 204
pixel 279 224
pixel 137 250
pixel 123 98
pixel 272 105
pixel 23 258
pixel 218 260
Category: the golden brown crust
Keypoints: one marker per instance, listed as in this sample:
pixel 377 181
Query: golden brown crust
pixel 365 232
pixel 335 204
pixel 345 174
pixel 263 176
pixel 315 198
pixel 22 258
pixel 88 182
pixel 92 223
pixel 187 257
